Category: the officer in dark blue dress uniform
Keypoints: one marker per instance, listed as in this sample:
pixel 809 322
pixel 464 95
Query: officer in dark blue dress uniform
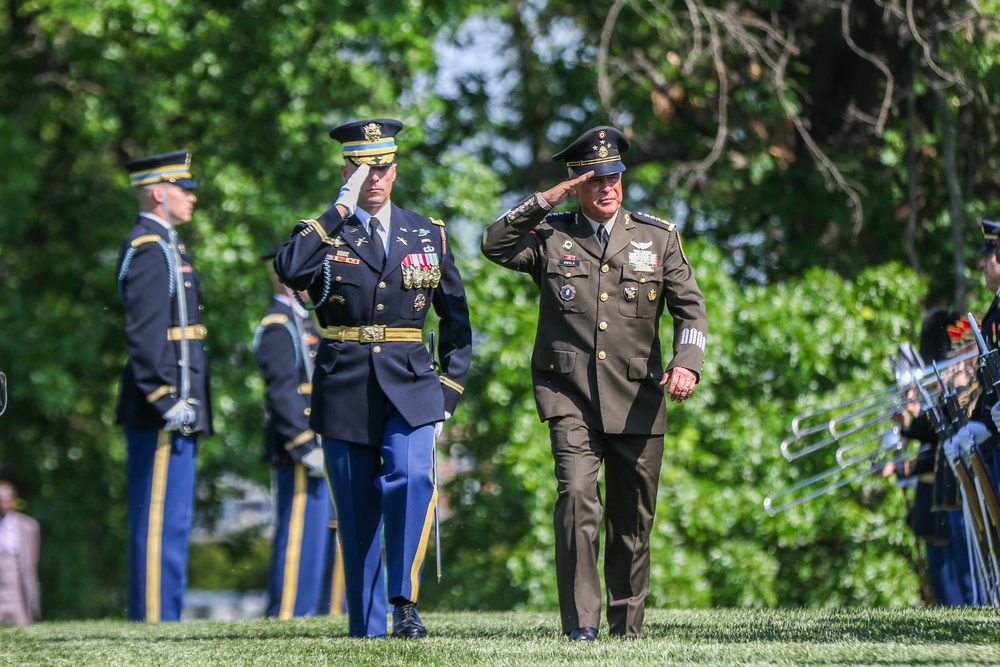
pixel 164 402
pixel 285 347
pixel 375 270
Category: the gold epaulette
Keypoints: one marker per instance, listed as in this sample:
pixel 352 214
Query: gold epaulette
pixel 274 318
pixel 439 223
pixel 147 238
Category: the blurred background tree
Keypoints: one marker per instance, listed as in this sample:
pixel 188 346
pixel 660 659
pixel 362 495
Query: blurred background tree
pixel 828 163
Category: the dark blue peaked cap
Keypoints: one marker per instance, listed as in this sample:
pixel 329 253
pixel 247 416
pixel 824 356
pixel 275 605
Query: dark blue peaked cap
pixel 599 149
pixel 174 167
pixel 368 142
pixel 991 231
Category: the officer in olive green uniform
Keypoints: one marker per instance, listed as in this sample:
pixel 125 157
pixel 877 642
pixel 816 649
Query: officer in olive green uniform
pixel 605 276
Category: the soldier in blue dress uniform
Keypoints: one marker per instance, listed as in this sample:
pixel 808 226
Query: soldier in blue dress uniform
pixel 285 347
pixel 163 403
pixel 374 271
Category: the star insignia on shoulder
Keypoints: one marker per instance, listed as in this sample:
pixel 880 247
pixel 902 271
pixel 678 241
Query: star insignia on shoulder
pixel 652 219
pixel 564 216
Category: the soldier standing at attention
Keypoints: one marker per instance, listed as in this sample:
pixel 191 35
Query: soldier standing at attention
pixel 605 275
pixel 374 271
pixel 285 348
pixel 163 401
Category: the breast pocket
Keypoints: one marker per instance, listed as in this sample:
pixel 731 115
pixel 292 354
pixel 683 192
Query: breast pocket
pixel 414 304
pixel 568 284
pixel 343 302
pixel 640 293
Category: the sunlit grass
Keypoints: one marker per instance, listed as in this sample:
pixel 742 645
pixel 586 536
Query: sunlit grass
pixel 672 637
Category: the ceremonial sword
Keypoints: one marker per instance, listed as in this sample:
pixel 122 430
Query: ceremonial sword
pixel 182 316
pixel 437 491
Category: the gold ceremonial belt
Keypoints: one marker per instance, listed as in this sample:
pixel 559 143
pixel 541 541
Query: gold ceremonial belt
pixel 190 332
pixel 375 333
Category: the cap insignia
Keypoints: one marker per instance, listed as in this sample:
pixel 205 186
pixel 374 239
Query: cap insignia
pixel 373 132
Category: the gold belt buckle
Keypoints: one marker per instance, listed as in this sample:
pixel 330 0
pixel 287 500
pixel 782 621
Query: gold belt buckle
pixel 374 333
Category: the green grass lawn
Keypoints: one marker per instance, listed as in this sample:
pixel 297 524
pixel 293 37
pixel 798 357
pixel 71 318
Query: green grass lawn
pixel 673 637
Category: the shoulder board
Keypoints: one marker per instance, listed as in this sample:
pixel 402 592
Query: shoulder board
pixel 274 318
pixel 564 216
pixel 653 220
pixel 439 223
pixel 148 238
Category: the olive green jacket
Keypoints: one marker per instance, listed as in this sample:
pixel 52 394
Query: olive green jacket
pixel 597 353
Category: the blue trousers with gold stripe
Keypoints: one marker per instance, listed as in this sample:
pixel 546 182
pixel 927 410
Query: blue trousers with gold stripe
pixel 334 600
pixel 382 488
pixel 160 467
pixel 298 556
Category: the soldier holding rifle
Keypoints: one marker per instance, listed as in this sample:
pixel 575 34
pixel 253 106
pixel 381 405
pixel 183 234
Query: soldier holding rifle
pixel 606 275
pixel 981 430
pixel 941 528
pixel 374 271
pixel 163 402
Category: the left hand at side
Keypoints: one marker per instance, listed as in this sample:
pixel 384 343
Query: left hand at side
pixel 680 383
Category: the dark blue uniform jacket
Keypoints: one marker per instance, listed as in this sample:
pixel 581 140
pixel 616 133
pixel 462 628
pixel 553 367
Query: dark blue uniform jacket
pixel 354 286
pixel 151 381
pixel 287 389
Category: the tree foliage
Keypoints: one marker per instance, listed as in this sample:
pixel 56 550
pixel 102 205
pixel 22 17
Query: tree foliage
pixel 809 150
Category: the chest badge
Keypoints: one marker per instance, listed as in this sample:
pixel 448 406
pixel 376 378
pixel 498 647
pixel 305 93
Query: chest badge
pixel 630 293
pixel 419 302
pixel 567 292
pixel 652 295
pixel 567 245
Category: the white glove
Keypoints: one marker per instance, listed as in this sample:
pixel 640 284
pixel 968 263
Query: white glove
pixel 313 461
pixel 973 433
pixel 439 426
pixel 179 415
pixel 349 192
pixel 951 448
pixel 995 413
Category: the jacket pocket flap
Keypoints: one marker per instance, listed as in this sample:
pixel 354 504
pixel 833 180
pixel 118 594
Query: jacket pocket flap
pixel 640 369
pixel 559 361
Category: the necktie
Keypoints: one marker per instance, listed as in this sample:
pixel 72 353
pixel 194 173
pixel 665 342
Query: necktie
pixel 373 227
pixel 602 235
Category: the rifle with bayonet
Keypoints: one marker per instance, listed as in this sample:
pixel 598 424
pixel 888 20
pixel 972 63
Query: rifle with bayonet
pixel 979 500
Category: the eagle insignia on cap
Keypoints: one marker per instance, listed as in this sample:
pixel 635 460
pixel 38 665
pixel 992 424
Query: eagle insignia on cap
pixel 373 132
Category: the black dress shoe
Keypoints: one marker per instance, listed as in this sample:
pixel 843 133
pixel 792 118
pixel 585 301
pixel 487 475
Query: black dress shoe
pixel 583 635
pixel 406 622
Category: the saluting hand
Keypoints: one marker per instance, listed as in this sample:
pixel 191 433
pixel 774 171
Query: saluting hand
pixel 347 198
pixel 681 383
pixel 558 194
